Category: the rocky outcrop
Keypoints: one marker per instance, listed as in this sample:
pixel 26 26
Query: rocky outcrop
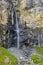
pixel 29 11
pixel 6 26
pixel 32 13
pixel 33 17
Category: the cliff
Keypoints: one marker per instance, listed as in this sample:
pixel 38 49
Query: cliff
pixel 29 11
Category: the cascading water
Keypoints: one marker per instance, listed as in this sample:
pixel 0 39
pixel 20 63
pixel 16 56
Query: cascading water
pixel 17 30
pixel 12 18
pixel 17 25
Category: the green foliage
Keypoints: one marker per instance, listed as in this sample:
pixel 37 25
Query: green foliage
pixel 36 59
pixel 40 50
pixel 3 54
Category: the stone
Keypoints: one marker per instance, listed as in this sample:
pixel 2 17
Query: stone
pixel 6 60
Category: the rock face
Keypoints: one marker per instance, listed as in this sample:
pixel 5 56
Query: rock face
pixel 30 13
pixel 3 16
pixel 6 23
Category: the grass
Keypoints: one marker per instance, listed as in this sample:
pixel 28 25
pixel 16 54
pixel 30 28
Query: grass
pixel 6 58
pixel 38 59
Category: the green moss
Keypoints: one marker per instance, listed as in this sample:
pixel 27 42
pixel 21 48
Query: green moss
pixel 4 53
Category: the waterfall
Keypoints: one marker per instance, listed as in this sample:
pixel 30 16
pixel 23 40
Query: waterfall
pixel 17 30
pixel 12 18
pixel 17 24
